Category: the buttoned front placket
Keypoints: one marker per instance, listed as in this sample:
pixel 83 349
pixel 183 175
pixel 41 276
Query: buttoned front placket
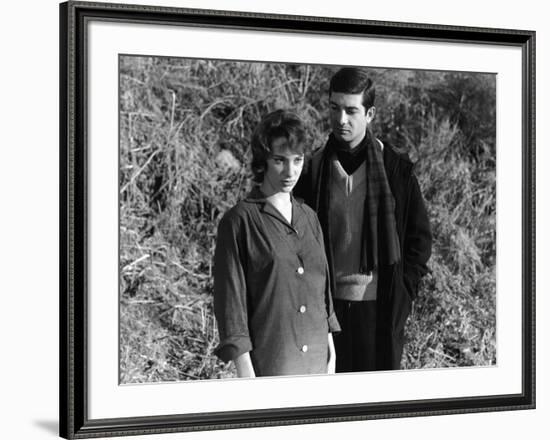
pixel 295 232
pixel 302 309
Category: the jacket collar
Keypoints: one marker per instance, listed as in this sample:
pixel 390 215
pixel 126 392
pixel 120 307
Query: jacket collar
pixel 393 159
pixel 258 197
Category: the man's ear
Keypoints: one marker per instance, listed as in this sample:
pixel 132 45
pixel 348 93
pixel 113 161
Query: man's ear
pixel 371 112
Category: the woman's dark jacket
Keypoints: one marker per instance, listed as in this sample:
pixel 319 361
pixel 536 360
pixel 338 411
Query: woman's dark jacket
pixel 397 283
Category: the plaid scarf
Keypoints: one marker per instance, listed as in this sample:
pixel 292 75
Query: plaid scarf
pixel 379 224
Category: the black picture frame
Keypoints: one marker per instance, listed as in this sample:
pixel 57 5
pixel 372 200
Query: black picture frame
pixel 74 387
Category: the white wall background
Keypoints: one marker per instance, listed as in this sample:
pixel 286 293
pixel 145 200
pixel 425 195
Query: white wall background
pixel 29 218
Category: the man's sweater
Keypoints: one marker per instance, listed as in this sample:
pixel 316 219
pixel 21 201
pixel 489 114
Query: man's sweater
pixel 346 210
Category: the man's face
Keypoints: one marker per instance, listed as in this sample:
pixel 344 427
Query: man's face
pixel 348 118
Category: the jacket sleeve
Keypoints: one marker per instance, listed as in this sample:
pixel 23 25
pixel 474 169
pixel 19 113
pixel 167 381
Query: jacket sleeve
pixel 417 240
pixel 230 303
pixel 333 324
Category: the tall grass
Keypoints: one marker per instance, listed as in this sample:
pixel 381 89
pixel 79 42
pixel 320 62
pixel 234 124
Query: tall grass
pixel 185 127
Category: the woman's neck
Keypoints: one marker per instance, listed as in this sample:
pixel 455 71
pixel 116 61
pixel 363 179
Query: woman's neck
pixel 280 198
pixel 281 201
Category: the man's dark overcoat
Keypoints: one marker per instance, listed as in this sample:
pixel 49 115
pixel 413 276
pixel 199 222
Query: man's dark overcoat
pixel 397 283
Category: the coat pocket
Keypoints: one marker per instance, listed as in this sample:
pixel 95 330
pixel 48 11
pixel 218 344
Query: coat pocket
pixel 402 305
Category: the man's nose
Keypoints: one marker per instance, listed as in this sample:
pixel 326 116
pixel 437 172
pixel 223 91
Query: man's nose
pixel 342 117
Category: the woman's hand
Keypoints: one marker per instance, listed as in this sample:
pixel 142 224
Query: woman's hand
pixel 331 366
pixel 244 366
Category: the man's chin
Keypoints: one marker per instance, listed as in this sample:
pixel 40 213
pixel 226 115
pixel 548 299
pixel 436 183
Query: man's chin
pixel 344 141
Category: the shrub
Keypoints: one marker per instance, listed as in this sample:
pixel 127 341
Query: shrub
pixel 185 127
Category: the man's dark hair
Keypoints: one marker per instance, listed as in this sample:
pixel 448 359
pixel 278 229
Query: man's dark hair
pixel 277 124
pixel 352 80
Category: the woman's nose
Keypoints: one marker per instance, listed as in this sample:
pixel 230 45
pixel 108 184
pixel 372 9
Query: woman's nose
pixel 290 169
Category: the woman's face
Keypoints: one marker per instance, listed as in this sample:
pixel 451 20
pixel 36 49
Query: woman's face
pixel 283 168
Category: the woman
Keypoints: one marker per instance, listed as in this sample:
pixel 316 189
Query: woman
pixel 272 297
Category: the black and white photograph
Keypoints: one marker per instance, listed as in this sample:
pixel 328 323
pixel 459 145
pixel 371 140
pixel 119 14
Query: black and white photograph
pixel 293 219
pixel 271 220
pixel 234 219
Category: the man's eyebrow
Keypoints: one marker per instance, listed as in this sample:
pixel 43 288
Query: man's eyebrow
pixel 348 107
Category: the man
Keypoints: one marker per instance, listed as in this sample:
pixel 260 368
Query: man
pixel 375 225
